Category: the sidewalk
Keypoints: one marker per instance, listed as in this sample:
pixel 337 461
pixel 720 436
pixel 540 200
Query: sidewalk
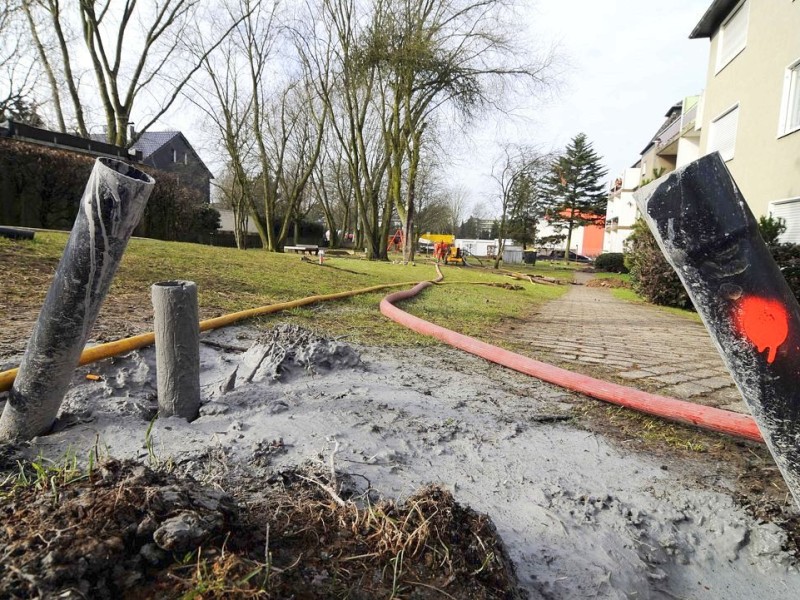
pixel 588 330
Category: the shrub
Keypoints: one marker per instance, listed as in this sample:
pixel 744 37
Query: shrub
pixel 788 258
pixel 771 229
pixel 652 277
pixel 611 262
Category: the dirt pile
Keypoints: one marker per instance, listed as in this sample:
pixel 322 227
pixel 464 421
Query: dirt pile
pixel 286 351
pixel 99 534
pixel 611 282
pixel 124 531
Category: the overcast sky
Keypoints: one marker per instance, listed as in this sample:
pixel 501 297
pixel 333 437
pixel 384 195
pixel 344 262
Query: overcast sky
pixel 627 62
pixel 623 64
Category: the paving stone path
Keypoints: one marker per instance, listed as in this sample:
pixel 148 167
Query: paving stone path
pixel 638 345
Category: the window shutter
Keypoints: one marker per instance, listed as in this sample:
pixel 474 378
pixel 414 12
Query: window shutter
pixel 734 36
pixel 722 134
pixel 790 213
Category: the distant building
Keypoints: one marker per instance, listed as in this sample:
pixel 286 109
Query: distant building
pixel 164 150
pixel 751 105
pixel 170 151
pixel 675 143
pixel 586 240
pixel 621 211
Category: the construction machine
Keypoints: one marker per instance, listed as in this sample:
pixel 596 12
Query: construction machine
pixel 445 249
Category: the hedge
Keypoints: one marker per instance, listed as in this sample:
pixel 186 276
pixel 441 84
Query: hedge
pixel 42 187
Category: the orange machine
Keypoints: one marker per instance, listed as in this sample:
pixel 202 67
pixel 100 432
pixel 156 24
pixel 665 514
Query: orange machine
pixel 444 248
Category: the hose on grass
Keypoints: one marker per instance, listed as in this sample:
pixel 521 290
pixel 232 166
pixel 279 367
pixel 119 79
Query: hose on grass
pixel 115 348
pixel 705 417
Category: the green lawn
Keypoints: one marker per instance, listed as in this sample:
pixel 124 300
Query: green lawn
pixel 230 280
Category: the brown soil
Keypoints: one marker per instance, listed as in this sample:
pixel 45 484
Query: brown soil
pixel 611 282
pixel 126 531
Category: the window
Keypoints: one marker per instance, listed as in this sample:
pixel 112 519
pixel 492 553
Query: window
pixel 174 155
pixel 789 211
pixel 186 158
pixel 790 106
pixel 722 133
pixel 732 35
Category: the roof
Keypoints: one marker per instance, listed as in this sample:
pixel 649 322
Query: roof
pixel 712 18
pixel 150 141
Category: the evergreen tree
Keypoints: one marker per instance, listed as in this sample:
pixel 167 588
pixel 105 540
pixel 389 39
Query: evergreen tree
pixel 575 191
pixel 469 229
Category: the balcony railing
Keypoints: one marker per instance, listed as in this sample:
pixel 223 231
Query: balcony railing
pixel 668 136
pixel 688 118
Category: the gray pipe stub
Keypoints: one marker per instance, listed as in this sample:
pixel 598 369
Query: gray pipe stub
pixel 177 330
pixel 110 209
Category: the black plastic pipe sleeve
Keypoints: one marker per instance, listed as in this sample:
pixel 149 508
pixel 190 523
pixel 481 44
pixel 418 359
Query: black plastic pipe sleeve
pixel 708 234
pixel 110 209
pixel 177 348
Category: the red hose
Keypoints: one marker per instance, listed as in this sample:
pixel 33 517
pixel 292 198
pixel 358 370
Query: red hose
pixel 705 417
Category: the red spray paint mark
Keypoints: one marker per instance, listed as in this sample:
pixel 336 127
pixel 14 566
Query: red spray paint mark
pixel 764 322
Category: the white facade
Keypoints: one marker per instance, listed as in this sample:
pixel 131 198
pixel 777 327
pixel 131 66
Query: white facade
pixel 621 213
pixel 675 144
pixel 226 221
pixel 544 229
pixel 480 247
pixel 789 211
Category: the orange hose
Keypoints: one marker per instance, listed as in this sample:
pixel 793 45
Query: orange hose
pixel 705 417
pixel 102 351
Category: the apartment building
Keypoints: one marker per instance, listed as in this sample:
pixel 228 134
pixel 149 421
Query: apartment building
pixel 675 143
pixel 750 111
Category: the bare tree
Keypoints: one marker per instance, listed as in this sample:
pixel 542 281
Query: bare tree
pixel 356 107
pixel 456 198
pixel 135 49
pixel 333 189
pixel 233 198
pixel 18 76
pixel 514 165
pixel 224 92
pixel 288 138
pixel 48 30
pixel 436 53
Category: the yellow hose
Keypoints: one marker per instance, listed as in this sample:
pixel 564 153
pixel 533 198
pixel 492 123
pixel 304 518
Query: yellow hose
pixel 115 348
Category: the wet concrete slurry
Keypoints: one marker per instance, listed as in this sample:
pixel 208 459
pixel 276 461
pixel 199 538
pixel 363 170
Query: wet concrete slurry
pixel 589 330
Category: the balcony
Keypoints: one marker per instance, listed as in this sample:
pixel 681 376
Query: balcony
pixel 668 137
pixel 688 121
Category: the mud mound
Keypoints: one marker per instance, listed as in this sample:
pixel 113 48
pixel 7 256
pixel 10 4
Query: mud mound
pixel 611 282
pixel 126 531
pixel 287 350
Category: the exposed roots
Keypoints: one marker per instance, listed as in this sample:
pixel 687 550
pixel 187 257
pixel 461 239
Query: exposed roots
pixel 125 531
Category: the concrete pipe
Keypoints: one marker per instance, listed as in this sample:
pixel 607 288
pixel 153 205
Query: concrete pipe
pixel 110 209
pixel 177 348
